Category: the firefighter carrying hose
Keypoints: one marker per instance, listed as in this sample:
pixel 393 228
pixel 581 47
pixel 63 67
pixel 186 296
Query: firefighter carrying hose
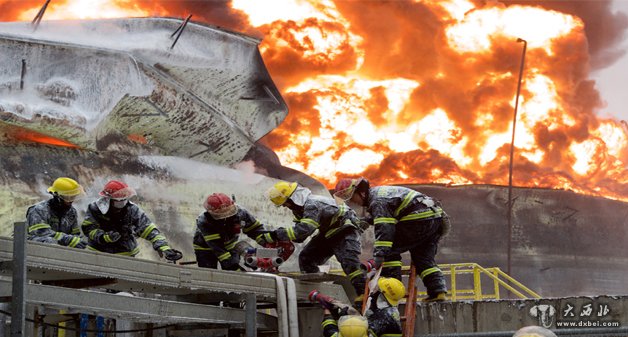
pixel 218 230
pixel 338 230
pixel 55 220
pixel 113 222
pixel 404 220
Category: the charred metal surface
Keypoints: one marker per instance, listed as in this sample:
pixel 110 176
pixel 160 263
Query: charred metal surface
pixel 210 101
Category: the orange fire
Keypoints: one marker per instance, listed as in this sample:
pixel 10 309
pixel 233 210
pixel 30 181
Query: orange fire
pixel 424 91
pixel 24 135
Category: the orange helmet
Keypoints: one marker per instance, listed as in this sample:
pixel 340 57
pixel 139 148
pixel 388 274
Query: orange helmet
pixel 117 190
pixel 220 206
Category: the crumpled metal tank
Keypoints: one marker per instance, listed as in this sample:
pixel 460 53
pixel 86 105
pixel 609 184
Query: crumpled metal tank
pixel 110 99
pixel 117 85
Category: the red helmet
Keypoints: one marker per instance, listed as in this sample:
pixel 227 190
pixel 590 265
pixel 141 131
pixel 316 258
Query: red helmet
pixel 117 190
pixel 220 206
pixel 346 187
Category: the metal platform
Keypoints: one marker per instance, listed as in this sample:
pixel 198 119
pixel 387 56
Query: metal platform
pixel 78 268
pixel 136 309
pixel 81 281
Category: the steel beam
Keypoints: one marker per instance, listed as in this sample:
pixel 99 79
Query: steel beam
pixel 137 309
pixel 18 302
pixel 53 263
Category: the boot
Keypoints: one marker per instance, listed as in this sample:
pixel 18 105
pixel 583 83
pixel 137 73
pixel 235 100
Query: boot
pixel 438 297
pixel 436 288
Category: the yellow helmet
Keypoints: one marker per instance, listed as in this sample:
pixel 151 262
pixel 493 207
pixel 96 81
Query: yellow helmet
pixel 393 289
pixel 353 326
pixel 66 188
pixel 534 331
pixel 281 191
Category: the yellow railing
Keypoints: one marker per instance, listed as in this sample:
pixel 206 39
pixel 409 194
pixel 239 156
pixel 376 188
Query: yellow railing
pixel 457 271
pixel 497 276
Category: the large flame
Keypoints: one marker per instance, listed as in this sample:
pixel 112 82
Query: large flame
pixel 422 91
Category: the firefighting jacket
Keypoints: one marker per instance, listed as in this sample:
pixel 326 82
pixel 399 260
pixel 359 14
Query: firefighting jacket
pixel 383 320
pixel 50 223
pixel 130 221
pixel 221 236
pixel 398 208
pixel 320 213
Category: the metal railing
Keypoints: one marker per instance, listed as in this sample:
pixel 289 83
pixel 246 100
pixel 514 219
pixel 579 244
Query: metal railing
pixel 499 280
pixel 472 289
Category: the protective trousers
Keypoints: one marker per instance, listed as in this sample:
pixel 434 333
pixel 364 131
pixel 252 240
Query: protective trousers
pixel 420 238
pixel 345 246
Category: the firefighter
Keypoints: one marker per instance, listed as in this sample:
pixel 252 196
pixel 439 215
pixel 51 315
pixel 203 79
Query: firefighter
pixel 55 220
pixel 218 230
pixel 381 317
pixel 112 223
pixel 345 326
pixel 338 231
pixel 404 220
pixel 533 331
pixel 383 314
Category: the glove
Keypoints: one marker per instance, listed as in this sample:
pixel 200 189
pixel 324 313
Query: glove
pixel 369 266
pixel 363 224
pixel 172 254
pixel 111 236
pixel 377 262
pixel 81 245
pixel 72 241
pixel 233 263
pixel 267 238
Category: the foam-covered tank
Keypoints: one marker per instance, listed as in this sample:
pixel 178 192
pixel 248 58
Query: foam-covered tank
pixel 113 99
pixel 112 84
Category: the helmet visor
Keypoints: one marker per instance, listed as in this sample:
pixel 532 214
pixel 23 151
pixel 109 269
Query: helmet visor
pixel 121 194
pixel 345 194
pixel 119 203
pixel 69 198
pixel 223 212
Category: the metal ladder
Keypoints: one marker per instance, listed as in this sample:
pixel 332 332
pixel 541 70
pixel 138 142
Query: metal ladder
pixel 408 319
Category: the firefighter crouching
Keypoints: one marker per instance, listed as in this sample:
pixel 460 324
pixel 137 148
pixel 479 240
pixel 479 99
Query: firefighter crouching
pixel 338 231
pixel 218 229
pixel 112 223
pixel 404 220
pixel 55 220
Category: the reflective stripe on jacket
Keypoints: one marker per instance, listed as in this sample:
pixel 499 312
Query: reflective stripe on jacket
pixel 392 206
pixel 222 235
pixel 50 225
pixel 320 213
pixel 130 222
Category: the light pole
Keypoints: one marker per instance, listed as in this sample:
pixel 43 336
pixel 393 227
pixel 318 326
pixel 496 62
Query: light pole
pixel 512 152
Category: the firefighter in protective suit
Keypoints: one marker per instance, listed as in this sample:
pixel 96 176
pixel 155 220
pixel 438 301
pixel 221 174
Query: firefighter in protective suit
pixel 55 220
pixel 112 223
pixel 218 230
pixel 404 220
pixel 338 231
pixel 383 314
pixel 381 317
